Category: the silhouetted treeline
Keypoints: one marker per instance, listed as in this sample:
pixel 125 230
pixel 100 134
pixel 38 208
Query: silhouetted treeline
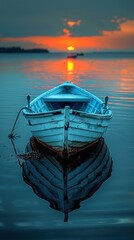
pixel 22 50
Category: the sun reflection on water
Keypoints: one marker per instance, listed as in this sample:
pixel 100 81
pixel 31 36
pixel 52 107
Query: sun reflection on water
pixel 70 66
pixel 105 71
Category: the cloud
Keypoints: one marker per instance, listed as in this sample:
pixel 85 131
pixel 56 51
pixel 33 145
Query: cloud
pixel 118 20
pixel 73 23
pixel 127 26
pixel 67 32
pixel 120 39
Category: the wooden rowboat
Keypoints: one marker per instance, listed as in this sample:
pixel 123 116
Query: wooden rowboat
pixel 67 117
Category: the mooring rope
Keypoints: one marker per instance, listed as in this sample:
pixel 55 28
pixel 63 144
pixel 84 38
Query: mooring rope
pixel 11 135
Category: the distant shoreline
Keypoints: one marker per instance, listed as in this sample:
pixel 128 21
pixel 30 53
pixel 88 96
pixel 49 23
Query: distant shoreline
pixel 22 50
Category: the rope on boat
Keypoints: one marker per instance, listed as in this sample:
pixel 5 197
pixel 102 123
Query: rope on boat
pixel 11 135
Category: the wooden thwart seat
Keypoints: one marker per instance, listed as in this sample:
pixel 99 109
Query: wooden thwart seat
pixel 67 99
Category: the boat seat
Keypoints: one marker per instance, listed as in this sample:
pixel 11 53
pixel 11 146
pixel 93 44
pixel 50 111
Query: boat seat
pixel 66 97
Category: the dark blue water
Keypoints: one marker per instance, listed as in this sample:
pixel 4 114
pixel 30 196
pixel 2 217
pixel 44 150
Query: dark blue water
pixel 109 213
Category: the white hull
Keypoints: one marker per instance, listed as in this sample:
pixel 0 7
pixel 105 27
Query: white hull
pixel 67 117
pixel 82 130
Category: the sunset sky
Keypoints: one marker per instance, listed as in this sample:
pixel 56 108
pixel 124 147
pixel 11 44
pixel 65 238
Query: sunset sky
pixel 86 25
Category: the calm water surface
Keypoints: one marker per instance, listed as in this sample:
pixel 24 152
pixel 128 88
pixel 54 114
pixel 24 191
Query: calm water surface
pixel 109 213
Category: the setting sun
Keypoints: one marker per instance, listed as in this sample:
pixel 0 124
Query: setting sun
pixel 70 48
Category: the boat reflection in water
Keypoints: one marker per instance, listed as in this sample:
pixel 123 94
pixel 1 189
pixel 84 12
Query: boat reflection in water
pixel 64 183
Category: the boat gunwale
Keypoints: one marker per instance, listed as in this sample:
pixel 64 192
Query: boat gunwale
pixel 74 112
pixel 41 114
pixel 93 115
